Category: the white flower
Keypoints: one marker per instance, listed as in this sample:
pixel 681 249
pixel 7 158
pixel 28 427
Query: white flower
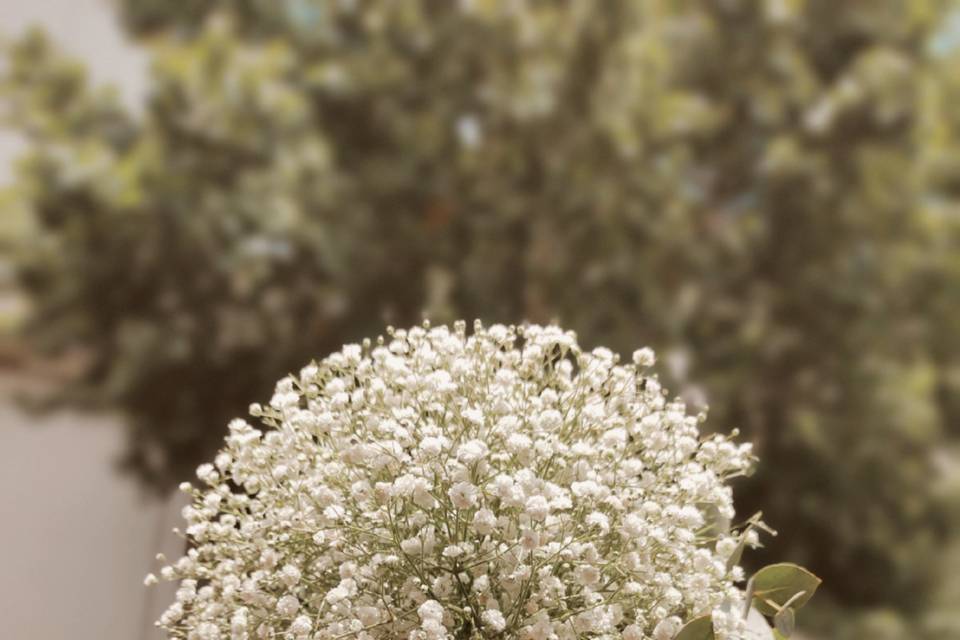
pixel 634 525
pixel 404 486
pixel 287 606
pixel 600 520
pixel 632 632
pixel 537 507
pixel 667 628
pixel 472 451
pixel 644 357
pixel 430 610
pixel 484 521
pixel 432 446
pixel 207 631
pixel 549 419
pixel 518 443
pixel 434 630
pixel 587 574
pixel 301 626
pixel 493 620
pixel 239 622
pixel 530 539
pixel 473 417
pixel 463 495
pixel 412 546
pixel 290 575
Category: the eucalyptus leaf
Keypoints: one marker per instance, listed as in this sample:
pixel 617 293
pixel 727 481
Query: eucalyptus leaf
pixel 778 584
pixel 785 622
pixel 697 629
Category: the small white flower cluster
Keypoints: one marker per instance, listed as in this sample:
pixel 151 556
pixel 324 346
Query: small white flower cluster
pixel 435 485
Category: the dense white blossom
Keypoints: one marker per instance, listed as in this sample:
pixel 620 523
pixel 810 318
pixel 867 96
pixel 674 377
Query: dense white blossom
pixel 435 485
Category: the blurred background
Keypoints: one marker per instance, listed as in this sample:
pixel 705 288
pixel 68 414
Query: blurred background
pixel 199 197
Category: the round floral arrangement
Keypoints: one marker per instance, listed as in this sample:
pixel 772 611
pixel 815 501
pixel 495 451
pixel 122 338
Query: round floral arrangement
pixel 437 484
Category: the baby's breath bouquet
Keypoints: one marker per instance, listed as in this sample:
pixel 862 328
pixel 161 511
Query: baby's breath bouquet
pixel 437 484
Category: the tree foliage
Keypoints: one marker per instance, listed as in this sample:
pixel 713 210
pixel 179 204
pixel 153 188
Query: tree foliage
pixel 763 191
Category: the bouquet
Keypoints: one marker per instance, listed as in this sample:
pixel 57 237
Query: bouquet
pixel 501 483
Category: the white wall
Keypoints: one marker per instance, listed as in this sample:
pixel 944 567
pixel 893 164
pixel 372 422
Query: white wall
pixel 77 539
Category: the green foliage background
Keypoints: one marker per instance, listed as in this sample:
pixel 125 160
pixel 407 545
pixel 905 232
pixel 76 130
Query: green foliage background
pixel 765 192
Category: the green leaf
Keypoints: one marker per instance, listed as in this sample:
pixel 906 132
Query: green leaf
pixel 785 621
pixel 779 584
pixel 697 629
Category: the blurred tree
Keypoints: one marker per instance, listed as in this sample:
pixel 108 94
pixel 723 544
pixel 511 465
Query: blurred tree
pixel 739 184
pixel 940 135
